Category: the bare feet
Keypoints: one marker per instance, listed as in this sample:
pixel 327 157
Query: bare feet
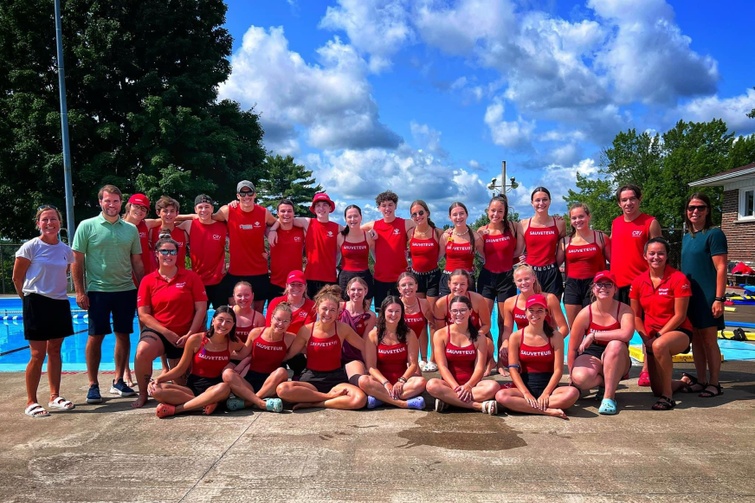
pixel 209 409
pixel 556 413
pixel 139 402
pixel 335 393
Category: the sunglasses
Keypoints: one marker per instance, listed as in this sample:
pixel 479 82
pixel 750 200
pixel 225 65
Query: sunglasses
pixel 167 252
pixel 420 213
pixel 692 208
pixel 46 207
pixel 246 194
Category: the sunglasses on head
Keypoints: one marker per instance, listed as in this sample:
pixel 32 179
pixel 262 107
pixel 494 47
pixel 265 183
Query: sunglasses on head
pixel 47 207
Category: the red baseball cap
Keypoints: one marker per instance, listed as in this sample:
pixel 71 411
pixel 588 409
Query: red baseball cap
pixel 537 300
pixel 322 196
pixel 604 275
pixel 295 277
pixel 139 200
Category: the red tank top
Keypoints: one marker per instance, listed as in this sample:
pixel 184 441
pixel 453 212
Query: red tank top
pixel 243 332
pixel 499 252
pixel 541 244
pixel 322 248
pixel 286 255
pixel 424 253
pixel 177 235
pixel 246 230
pixel 355 256
pixel 459 256
pixel 473 315
pixel 584 261
pixel 417 322
pixel 324 355
pixel 392 360
pixel 210 363
pixel 207 250
pixel 390 250
pixel 520 316
pixel 627 245
pixel 267 356
pixel 461 360
pixel 594 327
pixel 536 359
pixel 147 252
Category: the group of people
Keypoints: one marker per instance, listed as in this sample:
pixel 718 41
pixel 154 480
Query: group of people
pixel 315 278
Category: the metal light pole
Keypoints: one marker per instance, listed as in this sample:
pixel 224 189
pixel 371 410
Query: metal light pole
pixel 494 183
pixel 70 226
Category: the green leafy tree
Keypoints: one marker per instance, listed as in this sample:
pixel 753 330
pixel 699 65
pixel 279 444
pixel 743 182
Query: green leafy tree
pixel 141 82
pixel 283 178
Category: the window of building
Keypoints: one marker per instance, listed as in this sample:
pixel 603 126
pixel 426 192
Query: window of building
pixel 747 203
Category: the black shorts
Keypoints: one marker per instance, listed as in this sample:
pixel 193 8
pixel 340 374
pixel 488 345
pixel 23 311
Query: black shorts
pixel 550 279
pixel 199 385
pixel 260 285
pixel 578 292
pixel 622 294
pixel 444 289
pixel 256 379
pixel 428 282
pixel 122 305
pixel 345 276
pixel 595 350
pixel 536 382
pixel 216 295
pixel 275 291
pixel 382 290
pixel 171 352
pixel 497 286
pixel 324 381
pixel 45 318
pixel 314 286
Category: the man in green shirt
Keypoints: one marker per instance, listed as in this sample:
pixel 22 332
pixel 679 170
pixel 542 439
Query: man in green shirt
pixel 107 249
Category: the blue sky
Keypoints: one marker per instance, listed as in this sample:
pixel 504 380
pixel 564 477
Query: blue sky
pixel 427 97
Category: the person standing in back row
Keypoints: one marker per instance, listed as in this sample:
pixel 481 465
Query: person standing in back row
pixel 107 248
pixel 542 233
pixel 630 231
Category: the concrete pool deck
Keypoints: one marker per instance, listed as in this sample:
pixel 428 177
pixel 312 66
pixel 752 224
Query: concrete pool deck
pixel 700 451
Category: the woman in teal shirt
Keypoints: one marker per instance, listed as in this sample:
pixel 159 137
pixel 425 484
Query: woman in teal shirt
pixel 704 257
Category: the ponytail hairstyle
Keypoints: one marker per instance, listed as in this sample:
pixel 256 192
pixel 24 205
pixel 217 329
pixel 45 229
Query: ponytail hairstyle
pixel 501 198
pixel 402 329
pixel 466 274
pixel 473 332
pixel 345 231
pixel 536 288
pixel 574 207
pixel 328 292
pixel 420 202
pixel 232 334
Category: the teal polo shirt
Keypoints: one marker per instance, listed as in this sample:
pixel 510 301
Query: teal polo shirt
pixel 107 248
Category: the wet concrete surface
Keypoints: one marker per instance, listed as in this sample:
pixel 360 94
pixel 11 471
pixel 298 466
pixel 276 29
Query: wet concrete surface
pixel 700 451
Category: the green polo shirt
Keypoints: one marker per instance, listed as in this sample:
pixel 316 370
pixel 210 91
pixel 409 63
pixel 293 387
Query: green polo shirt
pixel 107 248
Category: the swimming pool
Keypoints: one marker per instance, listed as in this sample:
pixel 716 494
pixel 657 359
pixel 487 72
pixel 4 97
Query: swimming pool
pixel 14 352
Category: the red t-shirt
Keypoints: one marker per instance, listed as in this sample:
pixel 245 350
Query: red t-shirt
pixel 541 244
pixel 286 255
pixel 390 250
pixel 355 256
pixel 584 261
pixel 459 256
pixel 147 252
pixel 658 303
pixel 207 250
pixel 627 247
pixel 499 252
pixel 424 253
pixel 178 235
pixel 210 363
pixel 322 250
pixel 172 303
pixel 392 360
pixel 246 230
pixel 299 317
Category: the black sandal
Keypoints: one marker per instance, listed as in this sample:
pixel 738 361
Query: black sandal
pixel 664 403
pixel 706 393
pixel 690 387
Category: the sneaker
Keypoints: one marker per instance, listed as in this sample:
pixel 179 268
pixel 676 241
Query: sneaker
pixel 489 407
pixel 430 367
pixel 422 365
pixel 644 379
pixel 234 403
pixel 440 405
pixel 93 395
pixel 373 402
pixel 417 403
pixel 120 388
pixel 273 404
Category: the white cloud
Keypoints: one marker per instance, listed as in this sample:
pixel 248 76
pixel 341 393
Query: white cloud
pixel 732 110
pixel 331 101
pixel 376 27
pixel 511 134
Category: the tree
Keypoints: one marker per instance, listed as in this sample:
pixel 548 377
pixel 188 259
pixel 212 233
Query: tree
pixel 599 196
pixel 283 178
pixel 141 82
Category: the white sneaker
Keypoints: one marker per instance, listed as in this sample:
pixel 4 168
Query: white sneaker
pixel 430 367
pixel 422 364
